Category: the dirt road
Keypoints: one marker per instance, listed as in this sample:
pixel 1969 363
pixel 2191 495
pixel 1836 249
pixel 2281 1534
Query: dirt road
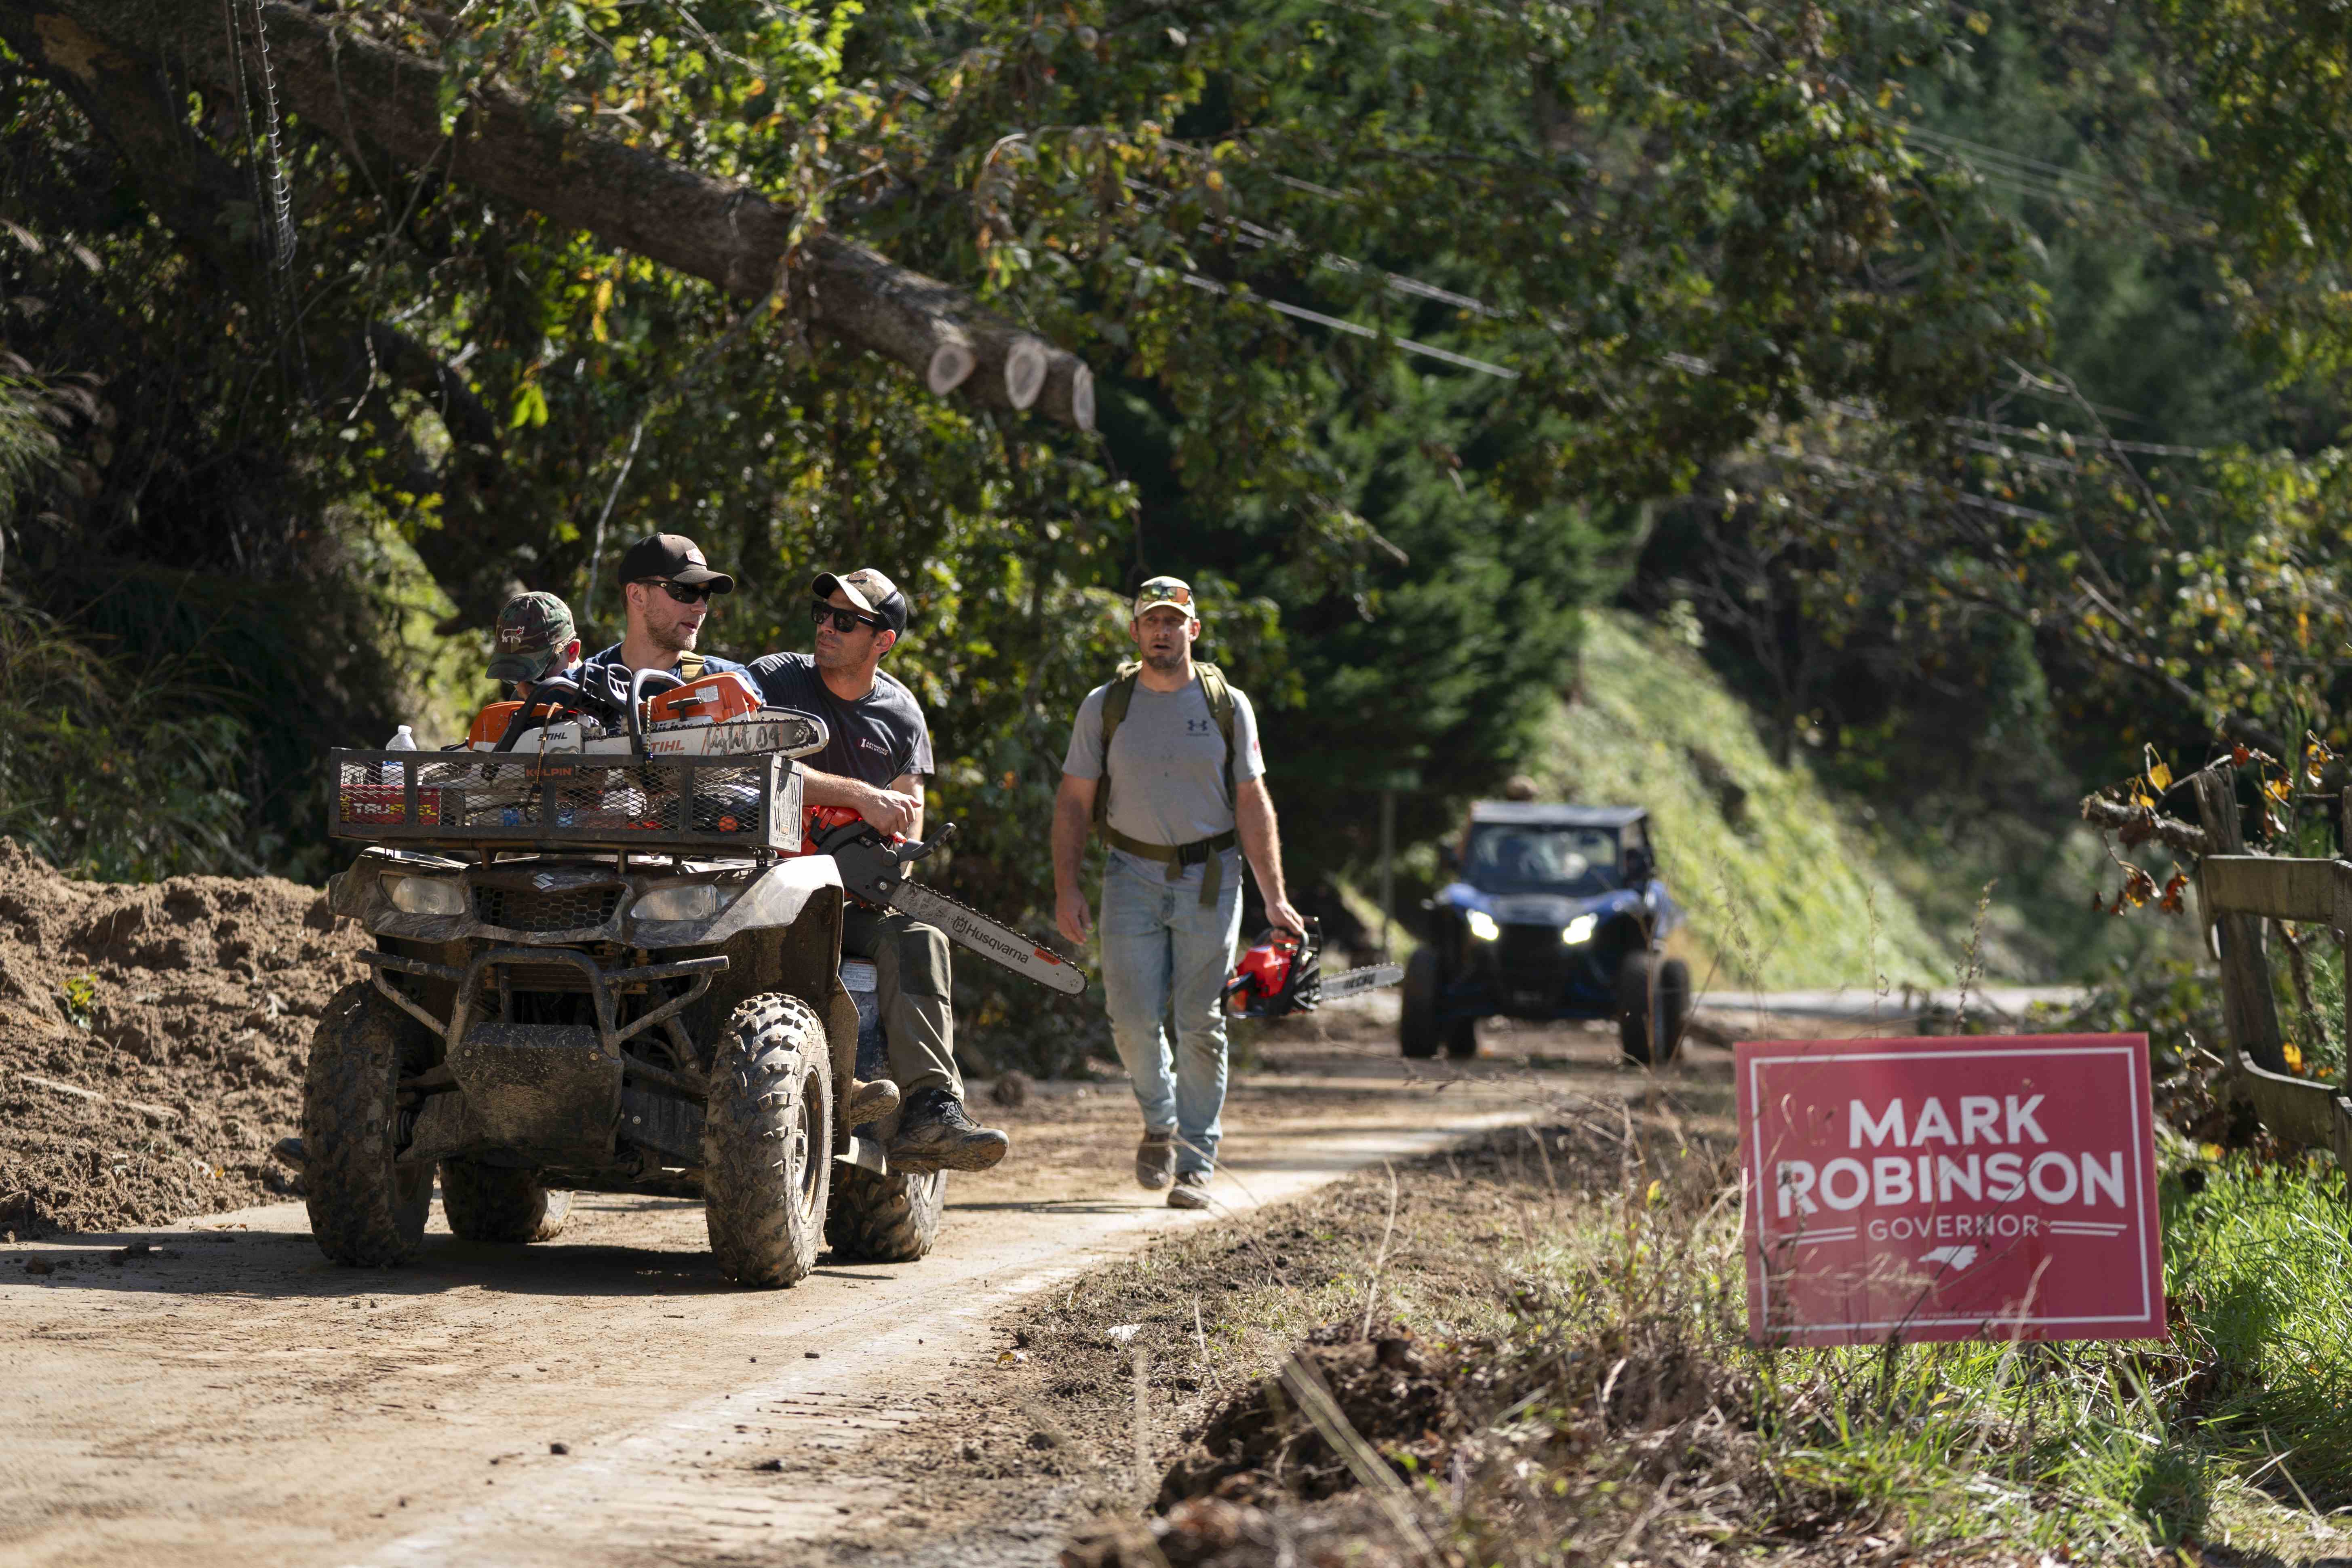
pixel 229 1396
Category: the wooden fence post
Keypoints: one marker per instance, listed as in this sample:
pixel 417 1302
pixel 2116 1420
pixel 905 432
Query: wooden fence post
pixel 2247 1005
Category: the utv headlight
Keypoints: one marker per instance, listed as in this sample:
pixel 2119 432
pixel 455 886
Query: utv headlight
pixel 1483 926
pixel 693 901
pixel 1579 932
pixel 426 895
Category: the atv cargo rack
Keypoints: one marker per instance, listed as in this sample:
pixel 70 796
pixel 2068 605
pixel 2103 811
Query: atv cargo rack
pixel 477 800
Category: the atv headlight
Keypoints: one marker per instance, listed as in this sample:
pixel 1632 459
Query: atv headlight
pixel 693 901
pixel 426 895
pixel 1483 926
pixel 1579 932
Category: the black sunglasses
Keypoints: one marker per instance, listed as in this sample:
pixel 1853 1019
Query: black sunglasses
pixel 842 620
pixel 685 594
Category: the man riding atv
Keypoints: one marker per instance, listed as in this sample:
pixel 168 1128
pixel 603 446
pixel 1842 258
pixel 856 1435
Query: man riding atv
pixel 607 957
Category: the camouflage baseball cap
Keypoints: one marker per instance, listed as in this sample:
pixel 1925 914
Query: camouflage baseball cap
pixel 533 629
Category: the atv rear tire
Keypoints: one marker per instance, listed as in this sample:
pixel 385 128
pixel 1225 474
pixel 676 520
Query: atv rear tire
pixel 885 1219
pixel 767 1143
pixel 496 1203
pixel 367 1210
pixel 1417 1008
pixel 1637 1008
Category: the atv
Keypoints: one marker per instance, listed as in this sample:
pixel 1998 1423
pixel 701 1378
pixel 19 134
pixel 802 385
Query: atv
pixel 607 958
pixel 1554 912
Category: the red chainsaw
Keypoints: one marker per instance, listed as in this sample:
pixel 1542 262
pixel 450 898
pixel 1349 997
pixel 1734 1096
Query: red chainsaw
pixel 1282 973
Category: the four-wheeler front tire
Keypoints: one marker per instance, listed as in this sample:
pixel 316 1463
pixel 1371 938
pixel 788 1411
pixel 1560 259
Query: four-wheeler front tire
pixel 1417 1007
pixel 1673 1007
pixel 885 1219
pixel 767 1143
pixel 1462 1039
pixel 367 1209
pixel 497 1203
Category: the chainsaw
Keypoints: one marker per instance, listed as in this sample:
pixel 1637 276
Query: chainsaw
pixel 873 868
pixel 1282 973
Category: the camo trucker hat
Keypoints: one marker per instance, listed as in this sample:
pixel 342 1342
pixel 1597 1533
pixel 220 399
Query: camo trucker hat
pixel 869 591
pixel 534 628
pixel 1159 590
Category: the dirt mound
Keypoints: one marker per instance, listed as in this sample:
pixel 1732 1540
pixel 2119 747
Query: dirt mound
pixel 152 1040
pixel 1402 1396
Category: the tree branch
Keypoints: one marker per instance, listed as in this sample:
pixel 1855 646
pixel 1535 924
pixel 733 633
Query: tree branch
pixel 367 94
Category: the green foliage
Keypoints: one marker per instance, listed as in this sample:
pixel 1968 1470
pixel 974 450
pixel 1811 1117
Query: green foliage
pixel 1778 890
pixel 108 769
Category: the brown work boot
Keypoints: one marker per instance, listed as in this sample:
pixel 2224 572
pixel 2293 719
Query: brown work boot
pixel 935 1134
pixel 1155 1161
pixel 1190 1191
pixel 871 1099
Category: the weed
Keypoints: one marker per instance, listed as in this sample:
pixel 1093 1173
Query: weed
pixel 80 1000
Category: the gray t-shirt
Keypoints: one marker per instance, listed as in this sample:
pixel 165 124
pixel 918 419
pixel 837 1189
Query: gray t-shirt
pixel 1164 763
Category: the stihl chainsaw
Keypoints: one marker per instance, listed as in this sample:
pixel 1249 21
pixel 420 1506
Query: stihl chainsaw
pixel 1283 974
pixel 874 869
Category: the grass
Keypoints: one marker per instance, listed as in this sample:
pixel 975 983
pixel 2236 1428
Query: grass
pixel 1581 1305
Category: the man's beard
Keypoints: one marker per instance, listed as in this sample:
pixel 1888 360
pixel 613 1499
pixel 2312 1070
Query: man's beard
pixel 1166 663
pixel 676 638
pixel 839 658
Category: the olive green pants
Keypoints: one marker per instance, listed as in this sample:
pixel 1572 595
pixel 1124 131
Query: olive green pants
pixel 913 987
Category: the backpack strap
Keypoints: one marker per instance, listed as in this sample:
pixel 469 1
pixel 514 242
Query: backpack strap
pixel 690 666
pixel 1220 696
pixel 1117 695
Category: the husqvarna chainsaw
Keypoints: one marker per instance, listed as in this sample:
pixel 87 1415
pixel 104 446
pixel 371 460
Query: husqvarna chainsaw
pixel 874 869
pixel 1283 974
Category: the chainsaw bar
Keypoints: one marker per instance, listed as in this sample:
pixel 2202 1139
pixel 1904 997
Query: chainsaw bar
pixel 876 871
pixel 1350 981
pixel 984 936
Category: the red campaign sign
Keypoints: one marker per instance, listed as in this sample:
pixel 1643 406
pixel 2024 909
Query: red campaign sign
pixel 1953 1188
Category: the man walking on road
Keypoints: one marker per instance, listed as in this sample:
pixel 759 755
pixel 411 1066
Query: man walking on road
pixel 874 764
pixel 1182 745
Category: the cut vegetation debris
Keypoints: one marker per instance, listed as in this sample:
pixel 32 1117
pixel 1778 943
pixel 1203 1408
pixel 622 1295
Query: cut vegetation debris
pixel 152 1041
pixel 1538 1355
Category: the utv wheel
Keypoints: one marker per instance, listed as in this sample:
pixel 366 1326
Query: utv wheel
pixel 767 1143
pixel 885 1219
pixel 492 1203
pixel 1417 1009
pixel 1637 1010
pixel 1674 1007
pixel 367 1210
pixel 1462 1039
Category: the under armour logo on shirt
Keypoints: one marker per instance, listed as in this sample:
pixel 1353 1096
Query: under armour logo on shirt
pixel 1196 726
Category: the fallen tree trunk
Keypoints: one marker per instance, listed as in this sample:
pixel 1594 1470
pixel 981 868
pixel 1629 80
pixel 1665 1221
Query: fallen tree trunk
pixel 369 95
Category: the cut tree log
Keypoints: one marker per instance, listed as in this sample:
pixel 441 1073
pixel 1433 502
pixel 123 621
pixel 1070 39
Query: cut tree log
pixel 377 99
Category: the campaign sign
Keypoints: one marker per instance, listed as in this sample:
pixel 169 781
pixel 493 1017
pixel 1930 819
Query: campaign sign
pixel 1951 1189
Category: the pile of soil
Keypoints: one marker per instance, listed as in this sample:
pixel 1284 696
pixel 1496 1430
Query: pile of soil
pixel 153 1038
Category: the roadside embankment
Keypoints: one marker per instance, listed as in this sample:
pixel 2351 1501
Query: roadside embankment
pixel 152 1040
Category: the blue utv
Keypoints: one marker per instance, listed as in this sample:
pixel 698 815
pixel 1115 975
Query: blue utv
pixel 1554 912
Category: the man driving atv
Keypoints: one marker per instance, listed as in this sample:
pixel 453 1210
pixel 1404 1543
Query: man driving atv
pixel 874 764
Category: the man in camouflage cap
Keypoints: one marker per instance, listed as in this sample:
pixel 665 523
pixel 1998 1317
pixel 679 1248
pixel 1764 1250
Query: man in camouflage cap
pixel 535 640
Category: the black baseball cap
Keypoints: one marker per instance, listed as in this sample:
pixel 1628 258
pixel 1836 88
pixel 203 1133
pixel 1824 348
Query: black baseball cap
pixel 869 591
pixel 674 558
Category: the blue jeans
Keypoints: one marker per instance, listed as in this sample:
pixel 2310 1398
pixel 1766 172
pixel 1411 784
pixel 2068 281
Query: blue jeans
pixel 1162 951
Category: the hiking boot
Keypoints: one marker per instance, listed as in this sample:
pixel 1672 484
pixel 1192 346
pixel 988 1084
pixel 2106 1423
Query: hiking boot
pixel 935 1134
pixel 871 1099
pixel 1190 1191
pixel 1155 1161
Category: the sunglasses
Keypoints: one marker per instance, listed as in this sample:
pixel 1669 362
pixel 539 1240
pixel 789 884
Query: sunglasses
pixel 685 594
pixel 842 620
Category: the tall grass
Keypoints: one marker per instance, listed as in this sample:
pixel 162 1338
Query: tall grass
pixel 110 768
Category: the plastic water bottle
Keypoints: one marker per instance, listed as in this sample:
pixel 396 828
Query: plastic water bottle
pixel 403 739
